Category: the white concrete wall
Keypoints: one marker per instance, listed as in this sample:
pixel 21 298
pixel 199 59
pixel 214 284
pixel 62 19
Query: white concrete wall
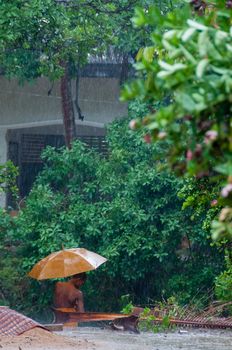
pixel 30 104
pixel 99 100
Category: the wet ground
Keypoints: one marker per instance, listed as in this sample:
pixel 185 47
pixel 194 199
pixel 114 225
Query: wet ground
pixel 194 339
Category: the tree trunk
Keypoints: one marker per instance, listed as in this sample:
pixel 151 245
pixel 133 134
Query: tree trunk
pixel 67 107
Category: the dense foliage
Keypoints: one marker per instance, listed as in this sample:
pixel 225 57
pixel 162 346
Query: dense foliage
pixel 8 176
pixel 121 207
pixel 38 36
pixel 190 62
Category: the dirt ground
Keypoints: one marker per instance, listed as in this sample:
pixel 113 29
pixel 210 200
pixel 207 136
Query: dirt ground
pixel 86 338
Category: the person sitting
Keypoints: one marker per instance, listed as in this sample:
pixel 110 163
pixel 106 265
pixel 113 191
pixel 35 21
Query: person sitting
pixel 68 295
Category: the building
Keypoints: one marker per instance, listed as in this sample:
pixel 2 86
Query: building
pixel 31 116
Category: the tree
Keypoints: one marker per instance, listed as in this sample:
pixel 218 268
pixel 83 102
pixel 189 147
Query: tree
pixel 45 37
pixel 53 38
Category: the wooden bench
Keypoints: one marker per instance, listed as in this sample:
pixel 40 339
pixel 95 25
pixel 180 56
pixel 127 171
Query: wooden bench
pixel 69 317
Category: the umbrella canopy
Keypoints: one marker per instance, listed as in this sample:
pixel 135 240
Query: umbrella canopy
pixel 66 262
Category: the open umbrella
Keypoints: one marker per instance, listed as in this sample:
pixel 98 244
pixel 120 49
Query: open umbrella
pixel 66 262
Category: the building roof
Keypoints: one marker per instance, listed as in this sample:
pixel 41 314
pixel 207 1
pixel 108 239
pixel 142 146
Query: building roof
pixel 14 323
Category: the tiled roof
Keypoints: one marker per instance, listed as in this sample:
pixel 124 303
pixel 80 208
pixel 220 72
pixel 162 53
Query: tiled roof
pixel 14 323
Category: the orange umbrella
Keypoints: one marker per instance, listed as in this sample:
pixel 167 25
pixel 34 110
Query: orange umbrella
pixel 66 262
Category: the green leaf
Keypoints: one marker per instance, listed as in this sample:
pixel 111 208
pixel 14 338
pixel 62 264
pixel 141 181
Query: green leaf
pixel 203 41
pixel 201 67
pixel 187 34
pixel 197 25
pixel 139 18
pixel 148 53
pixel 186 101
pixel 224 168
